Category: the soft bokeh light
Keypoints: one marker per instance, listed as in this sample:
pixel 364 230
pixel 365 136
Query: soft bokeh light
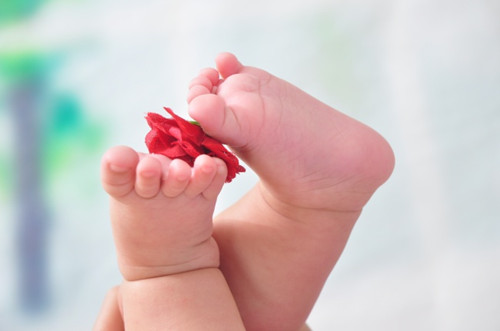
pixel 78 76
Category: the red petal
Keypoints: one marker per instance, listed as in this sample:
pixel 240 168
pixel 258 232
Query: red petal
pixel 216 149
pixel 189 130
pixel 178 138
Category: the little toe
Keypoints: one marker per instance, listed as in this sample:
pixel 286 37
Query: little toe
pixel 213 190
pixel 228 64
pixel 118 170
pixel 148 177
pixel 176 179
pixel 204 171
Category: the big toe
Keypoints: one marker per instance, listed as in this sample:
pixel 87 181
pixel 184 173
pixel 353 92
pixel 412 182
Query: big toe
pixel 118 170
pixel 217 119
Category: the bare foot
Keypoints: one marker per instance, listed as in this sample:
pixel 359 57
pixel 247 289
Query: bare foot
pixel 306 153
pixel 318 168
pixel 161 211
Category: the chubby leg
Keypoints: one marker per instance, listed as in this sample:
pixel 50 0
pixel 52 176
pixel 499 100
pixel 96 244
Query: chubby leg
pixel 193 300
pixel 317 169
pixel 110 316
pixel 161 215
pixel 197 300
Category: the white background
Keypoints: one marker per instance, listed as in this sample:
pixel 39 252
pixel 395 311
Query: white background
pixel 425 254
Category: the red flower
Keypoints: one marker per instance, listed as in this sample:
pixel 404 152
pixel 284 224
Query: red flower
pixel 177 138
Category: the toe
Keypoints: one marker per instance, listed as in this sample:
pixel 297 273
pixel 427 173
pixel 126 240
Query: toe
pixel 217 120
pixel 211 74
pixel 196 91
pixel 213 190
pixel 208 110
pixel 176 179
pixel 201 81
pixel 204 170
pixel 228 64
pixel 208 106
pixel 148 177
pixel 206 82
pixel 118 170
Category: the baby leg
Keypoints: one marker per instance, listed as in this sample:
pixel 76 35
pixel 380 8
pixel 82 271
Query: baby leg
pixel 161 215
pixel 317 169
pixel 110 316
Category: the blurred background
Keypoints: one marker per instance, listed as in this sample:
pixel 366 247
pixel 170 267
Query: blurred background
pixel 78 76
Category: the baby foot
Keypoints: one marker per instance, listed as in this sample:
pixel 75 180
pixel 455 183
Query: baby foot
pixel 161 211
pixel 317 169
pixel 306 153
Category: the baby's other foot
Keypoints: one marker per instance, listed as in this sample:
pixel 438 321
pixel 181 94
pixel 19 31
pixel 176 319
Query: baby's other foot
pixel 161 211
pixel 318 168
pixel 307 154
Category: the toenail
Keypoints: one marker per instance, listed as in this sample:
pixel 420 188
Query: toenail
pixel 182 178
pixel 207 169
pixel 148 174
pixel 117 168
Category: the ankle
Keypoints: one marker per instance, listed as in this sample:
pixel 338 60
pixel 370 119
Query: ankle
pixel 305 215
pixel 204 255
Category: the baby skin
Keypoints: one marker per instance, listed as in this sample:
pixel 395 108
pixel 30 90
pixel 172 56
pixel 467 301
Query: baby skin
pixel 161 215
pixel 317 169
pixel 278 244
